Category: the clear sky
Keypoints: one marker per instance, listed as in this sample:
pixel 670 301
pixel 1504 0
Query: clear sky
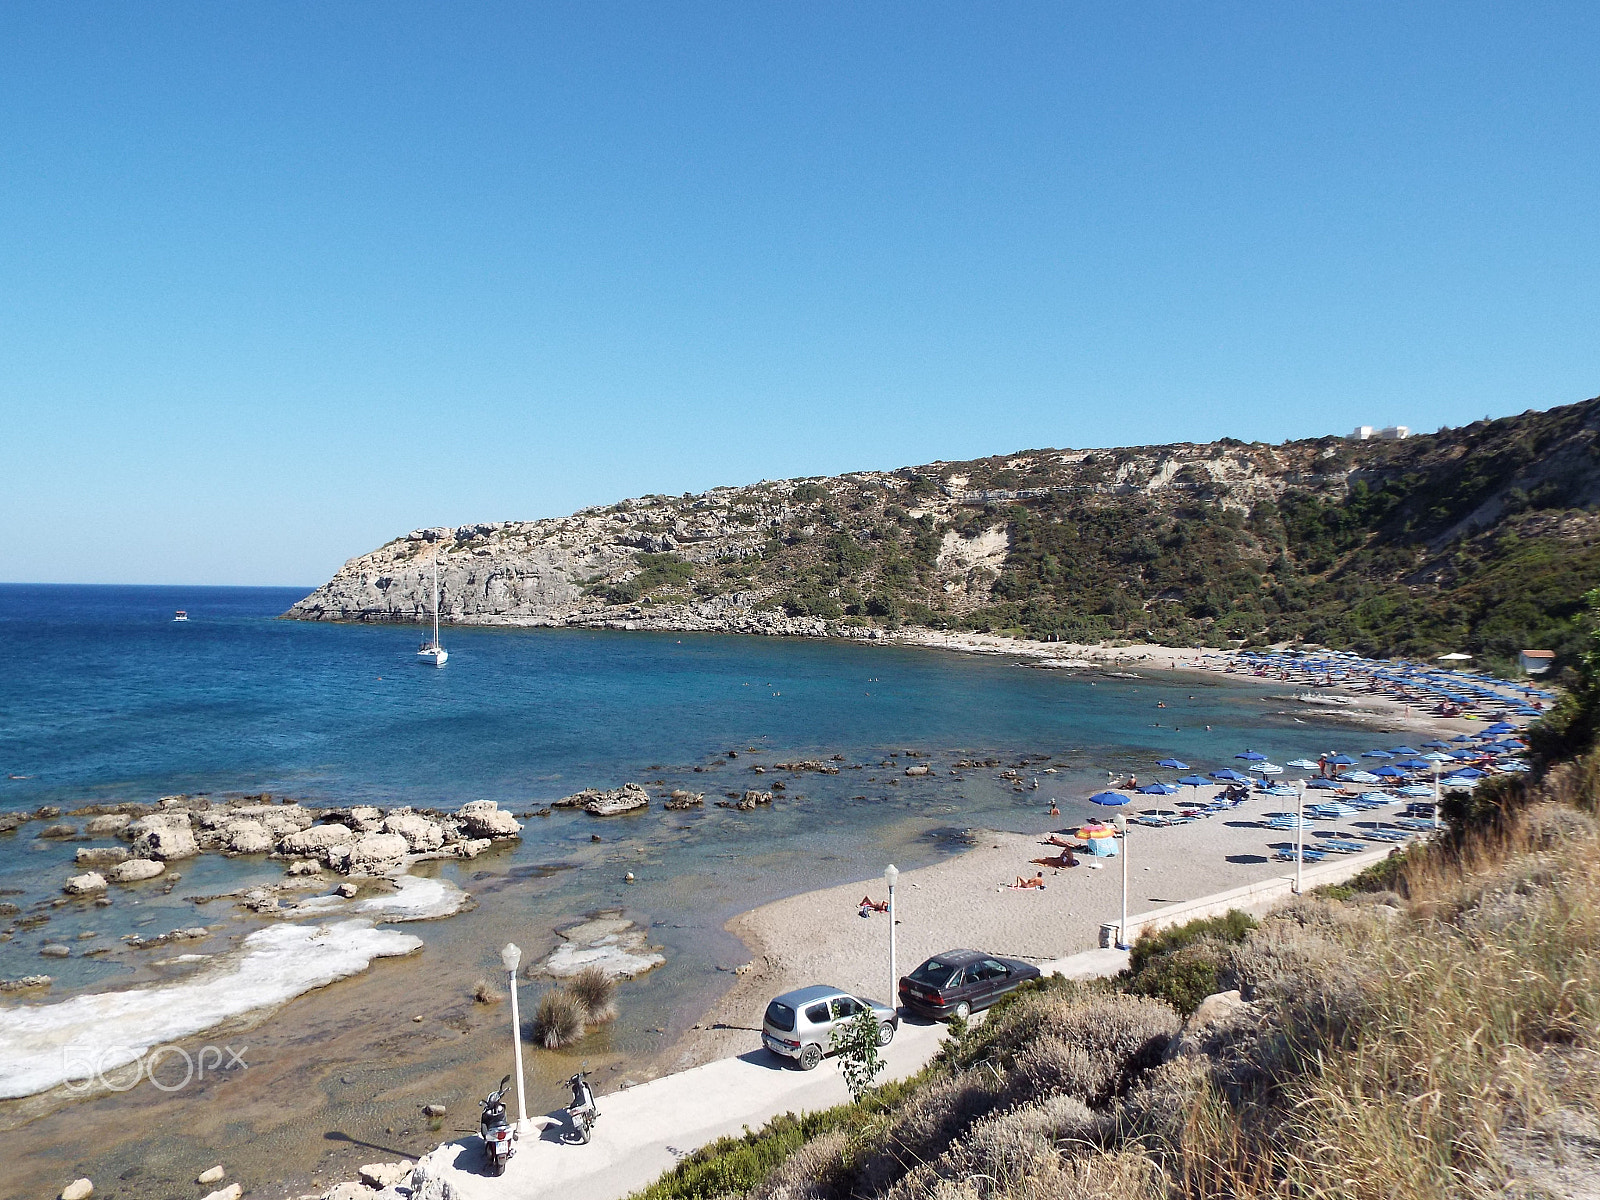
pixel 281 281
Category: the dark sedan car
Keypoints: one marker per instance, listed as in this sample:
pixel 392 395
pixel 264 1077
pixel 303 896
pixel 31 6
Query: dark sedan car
pixel 957 983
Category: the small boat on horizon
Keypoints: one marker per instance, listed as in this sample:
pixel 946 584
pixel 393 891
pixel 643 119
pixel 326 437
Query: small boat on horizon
pixel 180 615
pixel 432 654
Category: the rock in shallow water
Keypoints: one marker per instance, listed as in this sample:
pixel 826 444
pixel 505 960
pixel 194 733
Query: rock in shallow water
pixel 135 870
pixel 165 836
pixel 86 884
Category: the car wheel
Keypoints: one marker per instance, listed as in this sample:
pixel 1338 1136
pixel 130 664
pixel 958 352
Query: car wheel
pixel 885 1034
pixel 810 1057
pixel 962 1010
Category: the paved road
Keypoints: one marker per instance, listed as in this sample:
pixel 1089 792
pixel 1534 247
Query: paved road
pixel 643 1131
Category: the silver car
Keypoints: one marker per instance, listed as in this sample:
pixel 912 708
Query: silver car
pixel 800 1024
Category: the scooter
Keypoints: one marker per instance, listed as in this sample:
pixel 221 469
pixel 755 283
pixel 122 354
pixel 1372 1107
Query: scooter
pixel 499 1138
pixel 582 1110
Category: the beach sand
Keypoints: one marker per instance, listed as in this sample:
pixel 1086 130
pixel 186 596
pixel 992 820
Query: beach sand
pixel 820 937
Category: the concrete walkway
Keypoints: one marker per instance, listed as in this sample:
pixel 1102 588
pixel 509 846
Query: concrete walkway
pixel 643 1131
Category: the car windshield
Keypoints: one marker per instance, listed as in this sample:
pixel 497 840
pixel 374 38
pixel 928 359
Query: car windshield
pixel 780 1016
pixel 935 973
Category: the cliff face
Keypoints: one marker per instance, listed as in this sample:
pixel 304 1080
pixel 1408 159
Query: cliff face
pixel 1220 542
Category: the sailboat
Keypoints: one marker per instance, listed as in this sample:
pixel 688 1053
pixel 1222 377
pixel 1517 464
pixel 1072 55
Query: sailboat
pixel 432 654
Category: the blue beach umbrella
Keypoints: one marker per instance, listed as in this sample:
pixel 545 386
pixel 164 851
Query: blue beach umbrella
pixel 1377 754
pixel 1436 745
pixel 1111 799
pixel 1158 789
pixel 1341 760
pixel 1403 750
pixel 1388 772
pixel 1413 764
pixel 1173 764
pixel 1252 756
pixel 1327 784
pixel 1229 775
pixel 1194 781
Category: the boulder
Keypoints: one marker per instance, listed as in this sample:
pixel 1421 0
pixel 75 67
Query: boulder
pixel 1211 1017
pixel 421 834
pixel 59 831
pixel 135 870
pixel 211 1175
pixel 375 853
pixel 78 1189
pixel 681 800
pixel 919 769
pixel 86 884
pixel 165 836
pixel 317 840
pixel 248 837
pixel 366 819
pixel 108 824
pixel 304 866
pixel 628 798
pixel 278 819
pixel 55 950
pixel 381 1175
pixel 472 847
pixel 483 818
pixel 232 1192
pixel 25 984
pixel 348 1191
pixel 100 856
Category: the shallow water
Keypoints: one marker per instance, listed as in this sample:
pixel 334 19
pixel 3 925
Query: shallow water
pixel 106 698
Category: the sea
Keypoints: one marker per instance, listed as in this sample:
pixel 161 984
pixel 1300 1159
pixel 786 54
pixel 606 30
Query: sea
pixel 106 697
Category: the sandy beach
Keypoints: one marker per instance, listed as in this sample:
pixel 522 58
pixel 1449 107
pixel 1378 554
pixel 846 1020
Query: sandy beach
pixel 821 936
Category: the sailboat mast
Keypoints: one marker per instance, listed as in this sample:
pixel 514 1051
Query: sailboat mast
pixel 435 597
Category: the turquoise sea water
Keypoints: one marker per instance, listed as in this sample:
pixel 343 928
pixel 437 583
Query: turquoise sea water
pixel 106 698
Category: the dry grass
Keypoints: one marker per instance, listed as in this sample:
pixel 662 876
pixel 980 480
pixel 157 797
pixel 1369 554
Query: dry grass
pixel 596 992
pixel 485 992
pixel 1432 1047
pixel 557 1018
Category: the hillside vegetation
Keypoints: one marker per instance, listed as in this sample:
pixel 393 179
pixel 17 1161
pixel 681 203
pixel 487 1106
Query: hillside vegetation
pixel 1430 1032
pixel 1480 539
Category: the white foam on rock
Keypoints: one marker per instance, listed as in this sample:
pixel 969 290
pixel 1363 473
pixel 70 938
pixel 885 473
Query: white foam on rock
pixel 416 898
pixel 43 1046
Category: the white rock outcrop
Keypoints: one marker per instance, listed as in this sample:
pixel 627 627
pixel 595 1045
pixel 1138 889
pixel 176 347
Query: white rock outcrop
pixel 375 853
pixel 136 870
pixel 86 884
pixel 421 834
pixel 316 841
pixel 485 818
pixel 165 835
pixel 246 836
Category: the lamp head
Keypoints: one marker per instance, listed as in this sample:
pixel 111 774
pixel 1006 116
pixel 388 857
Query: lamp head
pixel 510 956
pixel 891 873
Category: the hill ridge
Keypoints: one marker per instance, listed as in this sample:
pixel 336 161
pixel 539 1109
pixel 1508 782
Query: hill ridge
pixel 1480 538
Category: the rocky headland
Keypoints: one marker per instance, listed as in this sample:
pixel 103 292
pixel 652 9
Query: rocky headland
pixel 1388 547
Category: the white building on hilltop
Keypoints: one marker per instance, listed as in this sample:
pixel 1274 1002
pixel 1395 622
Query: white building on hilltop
pixel 1393 433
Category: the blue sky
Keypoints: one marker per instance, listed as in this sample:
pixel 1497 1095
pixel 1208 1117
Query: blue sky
pixel 278 282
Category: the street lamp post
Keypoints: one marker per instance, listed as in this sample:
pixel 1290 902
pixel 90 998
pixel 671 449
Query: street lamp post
pixel 1122 929
pixel 1299 833
pixel 1436 794
pixel 510 956
pixel 890 874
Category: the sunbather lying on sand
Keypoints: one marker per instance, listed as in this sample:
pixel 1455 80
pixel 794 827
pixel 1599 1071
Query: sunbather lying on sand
pixel 1036 882
pixel 1065 859
pixel 869 905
